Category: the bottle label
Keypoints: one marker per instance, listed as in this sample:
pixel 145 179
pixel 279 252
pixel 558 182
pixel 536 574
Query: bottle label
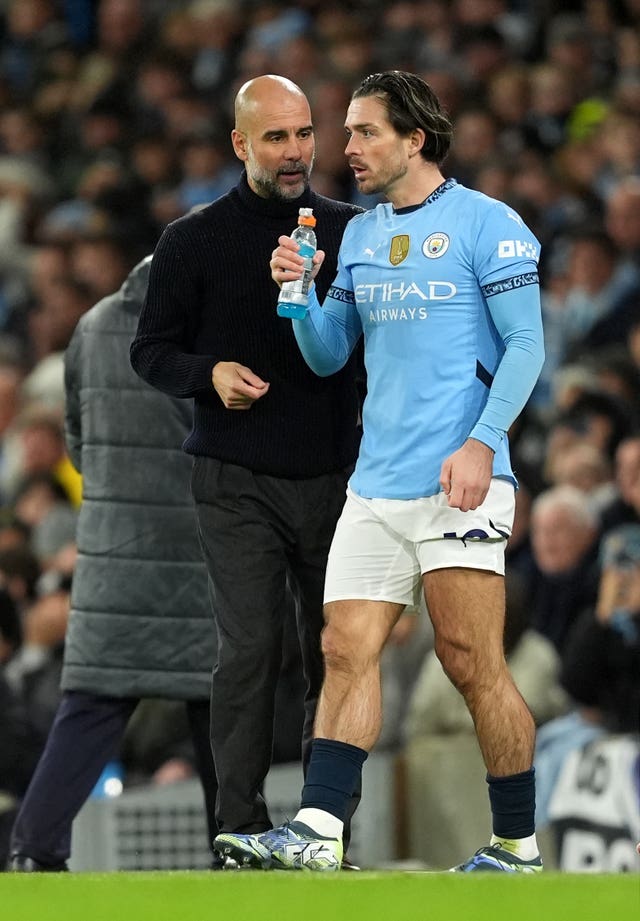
pixel 296 291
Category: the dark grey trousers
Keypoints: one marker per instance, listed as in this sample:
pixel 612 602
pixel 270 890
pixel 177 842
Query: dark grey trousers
pixel 262 537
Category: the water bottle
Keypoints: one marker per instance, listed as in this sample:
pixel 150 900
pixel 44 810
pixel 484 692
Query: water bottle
pixel 294 295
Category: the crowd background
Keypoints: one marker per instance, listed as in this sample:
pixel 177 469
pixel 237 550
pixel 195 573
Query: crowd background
pixel 114 120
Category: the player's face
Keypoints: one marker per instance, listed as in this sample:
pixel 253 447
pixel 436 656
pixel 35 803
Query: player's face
pixel 277 147
pixel 376 153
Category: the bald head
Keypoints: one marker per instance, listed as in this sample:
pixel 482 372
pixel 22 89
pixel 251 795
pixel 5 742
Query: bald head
pixel 273 136
pixel 263 94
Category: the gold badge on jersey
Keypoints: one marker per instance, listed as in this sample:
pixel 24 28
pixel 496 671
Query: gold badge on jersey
pixel 399 249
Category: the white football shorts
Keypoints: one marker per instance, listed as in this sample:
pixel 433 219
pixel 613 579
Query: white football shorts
pixel 381 547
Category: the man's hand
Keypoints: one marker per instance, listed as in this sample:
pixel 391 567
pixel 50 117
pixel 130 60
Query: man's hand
pixel 465 476
pixel 286 264
pixel 238 387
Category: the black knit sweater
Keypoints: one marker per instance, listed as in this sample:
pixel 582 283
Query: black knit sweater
pixel 211 298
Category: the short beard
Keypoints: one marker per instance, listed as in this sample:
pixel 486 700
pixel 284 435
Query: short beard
pixel 266 181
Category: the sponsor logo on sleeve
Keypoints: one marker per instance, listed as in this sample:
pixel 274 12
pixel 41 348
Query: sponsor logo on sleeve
pixel 510 284
pixel 341 294
pixel 511 249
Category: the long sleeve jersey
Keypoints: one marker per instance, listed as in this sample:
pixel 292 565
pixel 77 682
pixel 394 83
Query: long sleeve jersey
pixel 211 298
pixel 446 296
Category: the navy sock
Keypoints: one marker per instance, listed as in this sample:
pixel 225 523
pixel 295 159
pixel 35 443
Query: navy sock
pixel 333 776
pixel 513 804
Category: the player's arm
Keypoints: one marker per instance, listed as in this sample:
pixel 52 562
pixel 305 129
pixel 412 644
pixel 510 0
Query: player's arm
pixel 517 318
pixel 327 334
pixel 465 476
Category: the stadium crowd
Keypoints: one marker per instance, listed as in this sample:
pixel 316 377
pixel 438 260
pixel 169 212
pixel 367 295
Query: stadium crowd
pixel 114 120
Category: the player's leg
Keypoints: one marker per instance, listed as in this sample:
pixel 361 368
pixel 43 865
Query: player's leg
pixel 467 610
pixel 321 503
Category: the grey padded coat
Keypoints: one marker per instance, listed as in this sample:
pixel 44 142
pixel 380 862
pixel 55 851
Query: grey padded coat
pixel 141 623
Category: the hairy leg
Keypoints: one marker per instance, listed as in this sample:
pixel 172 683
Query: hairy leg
pixel 467 610
pixel 350 704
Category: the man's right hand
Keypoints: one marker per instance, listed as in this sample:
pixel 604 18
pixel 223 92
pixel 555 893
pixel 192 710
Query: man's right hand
pixel 238 387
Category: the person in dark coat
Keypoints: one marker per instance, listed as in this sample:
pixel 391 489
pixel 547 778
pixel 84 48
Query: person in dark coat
pixel 140 623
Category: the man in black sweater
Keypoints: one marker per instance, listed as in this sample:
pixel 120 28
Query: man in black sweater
pixel 273 443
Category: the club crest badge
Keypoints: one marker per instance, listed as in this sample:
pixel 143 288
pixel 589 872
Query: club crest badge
pixel 399 249
pixel 435 245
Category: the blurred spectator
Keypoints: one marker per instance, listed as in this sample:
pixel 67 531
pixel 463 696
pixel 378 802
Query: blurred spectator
pixel 622 221
pixel 11 376
pixel 205 172
pixel 600 664
pixel 216 29
pixel 564 578
pixel 101 262
pixel 51 324
pixel 596 284
pixel 553 94
pixel 33 671
pixel 593 417
pixel 20 570
pixel 33 31
pixel 43 505
pixel 39 451
pixel 588 469
pixel 625 507
pixel 474 145
pixel 601 660
pixel 13 532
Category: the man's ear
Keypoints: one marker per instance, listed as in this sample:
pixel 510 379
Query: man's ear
pixel 239 142
pixel 416 141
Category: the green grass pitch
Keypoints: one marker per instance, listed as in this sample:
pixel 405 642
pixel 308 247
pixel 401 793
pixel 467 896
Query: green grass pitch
pixel 256 896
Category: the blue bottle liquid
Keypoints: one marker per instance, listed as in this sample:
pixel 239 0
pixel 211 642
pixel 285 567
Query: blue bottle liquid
pixel 294 295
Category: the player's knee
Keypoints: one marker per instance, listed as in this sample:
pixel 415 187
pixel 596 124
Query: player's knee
pixel 341 649
pixel 458 664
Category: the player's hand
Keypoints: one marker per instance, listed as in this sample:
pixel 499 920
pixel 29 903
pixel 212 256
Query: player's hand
pixel 238 387
pixel 465 476
pixel 286 264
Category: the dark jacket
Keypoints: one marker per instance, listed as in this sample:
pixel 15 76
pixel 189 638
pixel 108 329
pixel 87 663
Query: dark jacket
pixel 140 620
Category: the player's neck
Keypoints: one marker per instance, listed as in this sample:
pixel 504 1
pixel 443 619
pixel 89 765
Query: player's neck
pixel 416 185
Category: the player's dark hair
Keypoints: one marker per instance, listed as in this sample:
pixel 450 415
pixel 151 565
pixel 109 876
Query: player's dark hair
pixel 411 104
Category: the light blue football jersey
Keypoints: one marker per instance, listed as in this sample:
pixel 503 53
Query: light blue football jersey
pixel 446 295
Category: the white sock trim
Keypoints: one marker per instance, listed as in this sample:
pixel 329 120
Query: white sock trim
pixel 524 848
pixel 323 823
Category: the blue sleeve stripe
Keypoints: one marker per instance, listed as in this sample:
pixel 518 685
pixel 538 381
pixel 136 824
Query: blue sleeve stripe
pixel 510 284
pixel 341 294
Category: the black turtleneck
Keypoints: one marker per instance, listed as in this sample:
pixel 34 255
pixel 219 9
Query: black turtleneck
pixel 211 298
